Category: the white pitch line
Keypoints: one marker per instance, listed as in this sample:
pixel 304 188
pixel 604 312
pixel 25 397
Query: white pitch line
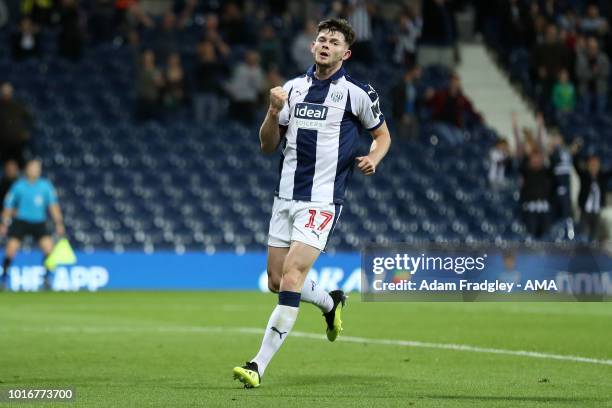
pixel 314 336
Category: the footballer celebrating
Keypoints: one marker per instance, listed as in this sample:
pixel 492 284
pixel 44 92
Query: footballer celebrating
pixel 316 119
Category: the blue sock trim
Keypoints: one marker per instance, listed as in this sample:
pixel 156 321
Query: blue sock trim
pixel 287 298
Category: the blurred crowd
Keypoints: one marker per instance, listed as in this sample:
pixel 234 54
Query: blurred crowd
pixel 568 45
pixel 214 61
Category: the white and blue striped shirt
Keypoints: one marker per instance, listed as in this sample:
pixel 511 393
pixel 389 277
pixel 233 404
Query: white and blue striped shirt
pixel 323 121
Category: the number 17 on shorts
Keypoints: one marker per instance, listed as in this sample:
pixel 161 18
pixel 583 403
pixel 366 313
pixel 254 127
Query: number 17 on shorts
pixel 306 222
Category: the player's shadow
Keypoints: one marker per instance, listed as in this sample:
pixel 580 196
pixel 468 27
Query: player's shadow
pixel 349 379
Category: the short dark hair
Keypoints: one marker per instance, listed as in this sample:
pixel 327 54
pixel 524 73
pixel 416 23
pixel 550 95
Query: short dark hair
pixel 338 24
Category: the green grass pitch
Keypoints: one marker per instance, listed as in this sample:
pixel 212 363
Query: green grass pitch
pixel 178 349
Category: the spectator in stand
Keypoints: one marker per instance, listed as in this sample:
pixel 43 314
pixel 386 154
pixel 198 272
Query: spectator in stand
pixel 451 111
pixel 406 103
pixel 234 27
pixel 166 39
pixel 563 94
pixel 500 161
pixel 592 23
pixel 407 32
pixel 592 196
pixel 70 38
pixel 439 36
pixel 245 87
pixel 300 50
pixel 548 59
pixel 529 142
pixel 26 40
pixel 515 26
pixel 592 71
pixel 149 85
pixel 211 33
pixel 536 191
pixel 561 164
pixel 207 80
pixel 9 176
pixel 15 124
pixel 359 15
pixel 270 48
pixel 174 82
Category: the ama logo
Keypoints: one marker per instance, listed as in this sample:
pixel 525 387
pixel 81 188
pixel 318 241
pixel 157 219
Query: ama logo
pixel 310 115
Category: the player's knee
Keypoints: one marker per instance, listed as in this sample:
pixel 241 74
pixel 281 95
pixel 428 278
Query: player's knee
pixel 273 283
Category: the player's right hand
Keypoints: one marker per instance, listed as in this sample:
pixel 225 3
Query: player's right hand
pixel 3 230
pixel 278 97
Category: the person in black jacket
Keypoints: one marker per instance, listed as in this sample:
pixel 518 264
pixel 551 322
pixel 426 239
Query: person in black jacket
pixel 536 190
pixel 592 195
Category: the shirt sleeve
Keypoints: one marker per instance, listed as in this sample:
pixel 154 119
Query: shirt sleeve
pixel 51 195
pixel 285 114
pixel 368 109
pixel 11 197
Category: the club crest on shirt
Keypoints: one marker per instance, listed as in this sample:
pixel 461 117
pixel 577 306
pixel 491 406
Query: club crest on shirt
pixel 336 96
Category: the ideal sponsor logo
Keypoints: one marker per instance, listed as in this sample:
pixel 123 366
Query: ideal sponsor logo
pixel 310 111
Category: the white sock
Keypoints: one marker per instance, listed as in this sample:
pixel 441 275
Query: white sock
pixel 312 293
pixel 280 324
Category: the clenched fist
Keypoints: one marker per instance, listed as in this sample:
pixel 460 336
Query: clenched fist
pixel 278 97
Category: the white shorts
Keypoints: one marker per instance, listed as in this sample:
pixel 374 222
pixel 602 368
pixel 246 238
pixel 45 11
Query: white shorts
pixel 303 221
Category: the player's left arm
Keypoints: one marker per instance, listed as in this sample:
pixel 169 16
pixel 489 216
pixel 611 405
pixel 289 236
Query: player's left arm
pixel 371 117
pixel 378 149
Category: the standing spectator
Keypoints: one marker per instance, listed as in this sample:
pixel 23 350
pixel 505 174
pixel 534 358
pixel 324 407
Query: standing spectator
pixel 535 194
pixel 166 40
pixel 592 195
pixel 452 111
pixel 561 164
pixel 234 27
pixel 407 33
pixel 70 37
pixel 208 77
pixel 15 123
pixel 149 85
pixel 302 43
pixel 592 71
pixel 500 161
pixel 270 48
pixel 9 175
pixel 359 17
pixel 406 101
pixel 593 23
pixel 244 87
pixel 515 26
pixel 26 40
pixel 563 94
pixel 548 59
pixel 174 82
pixel 211 33
pixel 439 36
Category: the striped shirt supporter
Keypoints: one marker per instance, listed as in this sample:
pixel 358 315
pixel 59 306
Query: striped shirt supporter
pixel 323 120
